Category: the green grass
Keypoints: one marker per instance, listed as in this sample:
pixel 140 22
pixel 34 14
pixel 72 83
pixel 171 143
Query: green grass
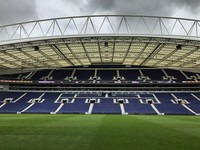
pixel 99 132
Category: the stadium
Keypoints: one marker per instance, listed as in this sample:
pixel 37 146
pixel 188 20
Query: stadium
pixel 132 81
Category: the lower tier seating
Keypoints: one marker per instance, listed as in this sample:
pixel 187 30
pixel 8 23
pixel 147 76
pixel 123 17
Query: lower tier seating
pixel 178 103
pixel 135 107
pixel 106 106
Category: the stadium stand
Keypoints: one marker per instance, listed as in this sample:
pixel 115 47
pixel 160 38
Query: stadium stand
pixel 44 104
pixel 106 106
pixel 61 74
pixel 107 75
pixel 113 72
pixel 84 75
pixel 41 75
pixel 115 103
pixel 129 74
pixel 17 104
pixel 175 75
pixel 75 106
pixel 135 107
pixel 153 74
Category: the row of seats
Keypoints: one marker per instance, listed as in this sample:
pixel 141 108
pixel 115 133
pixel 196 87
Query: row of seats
pixel 119 74
pixel 98 103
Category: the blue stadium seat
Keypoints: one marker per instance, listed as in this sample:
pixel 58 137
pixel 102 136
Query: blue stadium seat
pixel 106 106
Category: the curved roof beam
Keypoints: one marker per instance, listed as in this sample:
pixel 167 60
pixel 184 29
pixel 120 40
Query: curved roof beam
pixel 101 25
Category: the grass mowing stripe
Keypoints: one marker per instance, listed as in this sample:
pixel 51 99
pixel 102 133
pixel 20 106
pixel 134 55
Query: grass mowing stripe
pixel 99 132
pixel 138 132
pixel 60 131
pixel 187 124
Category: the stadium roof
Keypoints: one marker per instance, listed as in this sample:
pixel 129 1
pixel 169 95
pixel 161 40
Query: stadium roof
pixel 112 39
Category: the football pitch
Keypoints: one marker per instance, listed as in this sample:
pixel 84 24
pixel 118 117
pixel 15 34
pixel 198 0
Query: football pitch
pixel 99 132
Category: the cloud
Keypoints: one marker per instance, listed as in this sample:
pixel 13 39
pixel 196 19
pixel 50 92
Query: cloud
pixel 193 4
pixel 143 7
pixel 94 6
pixel 12 11
pixel 189 6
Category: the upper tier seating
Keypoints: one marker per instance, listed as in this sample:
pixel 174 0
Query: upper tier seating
pixel 61 74
pixel 192 75
pixel 153 74
pixel 178 76
pixel 39 75
pixel 105 75
pixel 84 75
pixel 131 75
pixel 10 76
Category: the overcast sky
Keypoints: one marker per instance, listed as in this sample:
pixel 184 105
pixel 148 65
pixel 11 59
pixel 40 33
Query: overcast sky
pixel 12 11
